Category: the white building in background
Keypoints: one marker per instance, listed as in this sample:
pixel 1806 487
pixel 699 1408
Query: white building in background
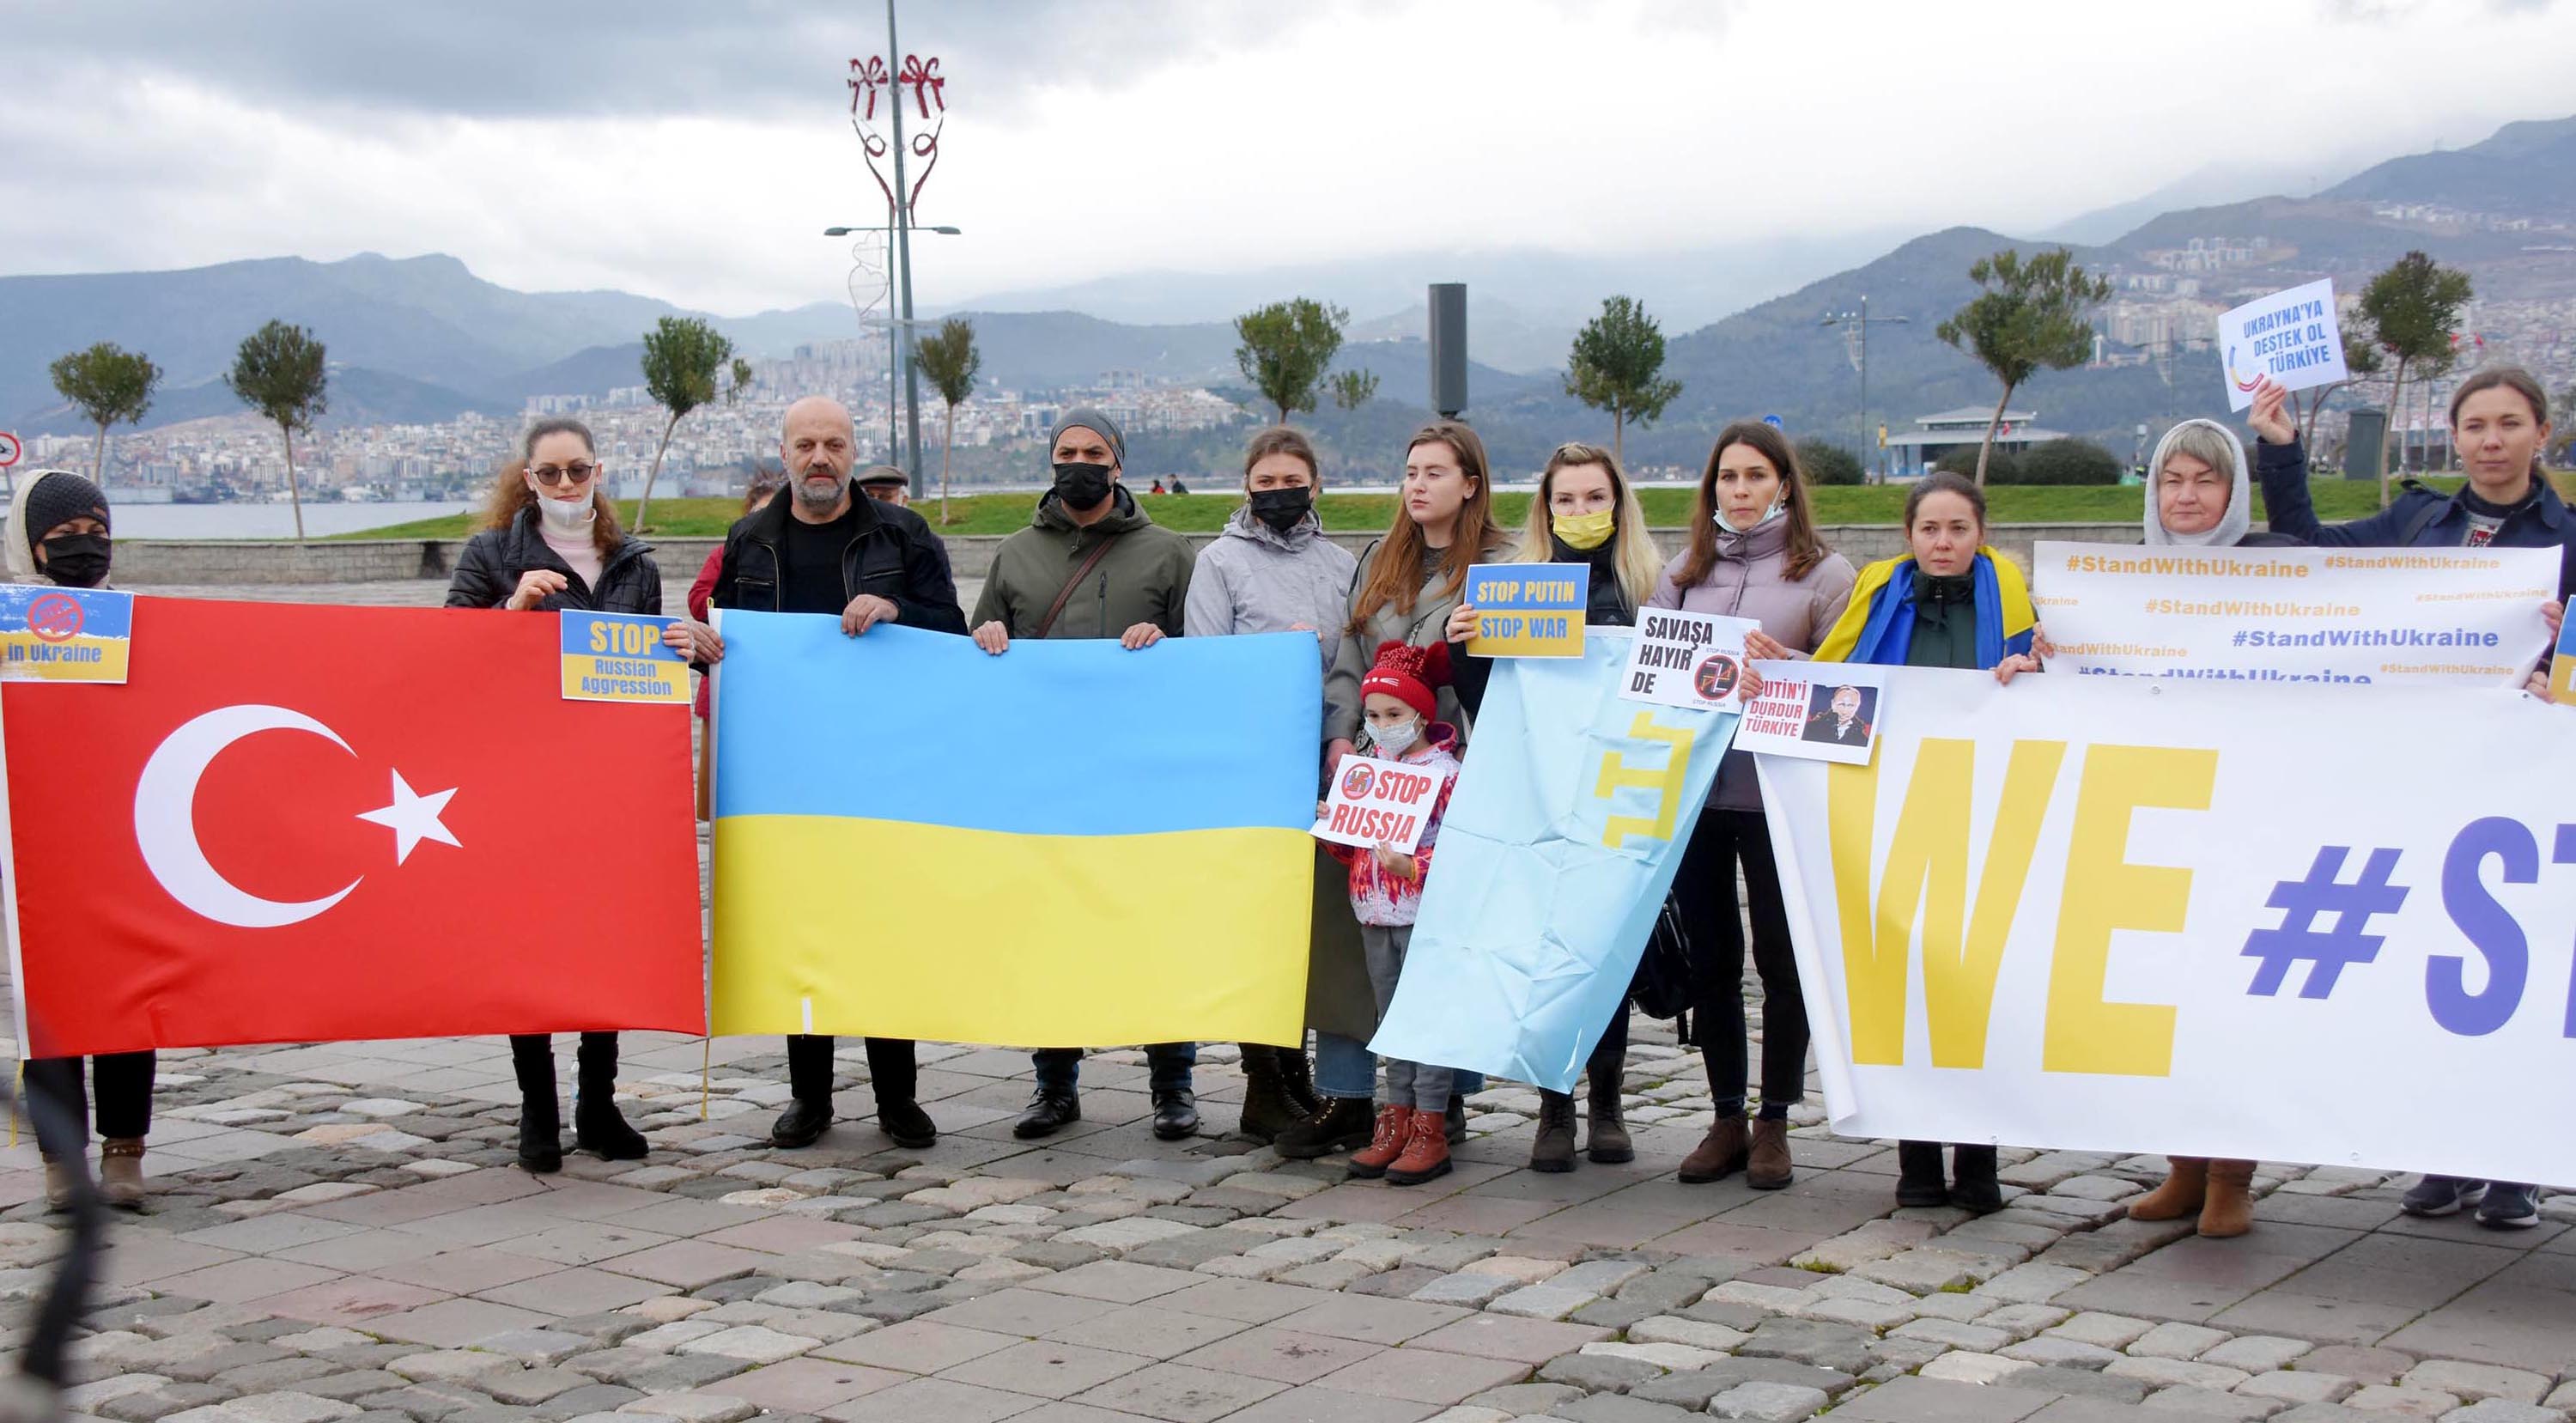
pixel 1910 456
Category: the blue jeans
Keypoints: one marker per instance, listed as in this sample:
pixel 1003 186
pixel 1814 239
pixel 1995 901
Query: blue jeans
pixel 1345 1068
pixel 1169 1064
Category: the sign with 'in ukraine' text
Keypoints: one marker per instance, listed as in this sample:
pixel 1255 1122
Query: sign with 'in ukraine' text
pixel 2089 911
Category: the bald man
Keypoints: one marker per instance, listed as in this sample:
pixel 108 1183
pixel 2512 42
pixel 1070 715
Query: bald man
pixel 824 549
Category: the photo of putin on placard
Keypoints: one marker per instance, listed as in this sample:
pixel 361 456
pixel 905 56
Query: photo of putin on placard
pixel 1840 716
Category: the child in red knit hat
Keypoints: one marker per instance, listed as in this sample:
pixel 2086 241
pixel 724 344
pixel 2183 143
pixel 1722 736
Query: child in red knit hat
pixel 1397 703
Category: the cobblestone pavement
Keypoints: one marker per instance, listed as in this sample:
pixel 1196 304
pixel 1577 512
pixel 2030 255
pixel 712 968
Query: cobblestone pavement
pixel 338 1233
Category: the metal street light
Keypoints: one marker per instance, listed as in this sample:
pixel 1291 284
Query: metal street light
pixel 1859 322
pixel 894 359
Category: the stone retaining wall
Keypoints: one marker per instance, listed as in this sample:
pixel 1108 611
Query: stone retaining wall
pixel 142 563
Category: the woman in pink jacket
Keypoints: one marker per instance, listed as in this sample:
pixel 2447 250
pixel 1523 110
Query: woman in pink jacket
pixel 1753 554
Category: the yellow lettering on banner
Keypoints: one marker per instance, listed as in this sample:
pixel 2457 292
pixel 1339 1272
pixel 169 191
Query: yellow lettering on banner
pixel 1666 783
pixel 1927 869
pixel 2104 892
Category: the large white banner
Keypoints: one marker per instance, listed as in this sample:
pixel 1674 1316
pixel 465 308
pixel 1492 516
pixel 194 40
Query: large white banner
pixel 2374 615
pixel 2289 923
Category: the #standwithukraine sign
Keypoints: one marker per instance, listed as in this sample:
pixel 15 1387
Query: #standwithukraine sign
pixel 2113 915
pixel 2295 614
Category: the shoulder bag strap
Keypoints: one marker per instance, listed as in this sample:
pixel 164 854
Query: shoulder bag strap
pixel 1064 594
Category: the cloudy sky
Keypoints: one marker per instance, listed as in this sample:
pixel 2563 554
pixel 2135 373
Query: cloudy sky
pixel 695 152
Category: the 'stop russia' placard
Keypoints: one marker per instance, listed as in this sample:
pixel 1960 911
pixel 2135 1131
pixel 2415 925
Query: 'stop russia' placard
pixel 1528 609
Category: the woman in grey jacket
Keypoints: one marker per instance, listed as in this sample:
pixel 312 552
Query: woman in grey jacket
pixel 1753 554
pixel 1272 570
pixel 1407 583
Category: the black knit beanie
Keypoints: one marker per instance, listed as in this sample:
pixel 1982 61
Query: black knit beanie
pixel 59 498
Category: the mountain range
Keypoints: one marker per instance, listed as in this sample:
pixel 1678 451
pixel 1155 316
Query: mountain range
pixel 423 338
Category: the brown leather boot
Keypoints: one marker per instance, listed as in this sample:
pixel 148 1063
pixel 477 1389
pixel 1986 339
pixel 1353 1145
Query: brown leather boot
pixel 2184 1188
pixel 1394 1128
pixel 1720 1154
pixel 1768 1167
pixel 1608 1142
pixel 120 1172
pixel 2229 1210
pixel 1426 1151
pixel 58 1185
pixel 1554 1148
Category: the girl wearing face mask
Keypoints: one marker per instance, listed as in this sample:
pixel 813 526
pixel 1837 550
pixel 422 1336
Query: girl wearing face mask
pixel 1950 602
pixel 1753 554
pixel 58 535
pixel 1406 584
pixel 1272 570
pixel 549 542
pixel 1585 512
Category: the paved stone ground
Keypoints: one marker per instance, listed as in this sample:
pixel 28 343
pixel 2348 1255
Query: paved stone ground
pixel 338 1233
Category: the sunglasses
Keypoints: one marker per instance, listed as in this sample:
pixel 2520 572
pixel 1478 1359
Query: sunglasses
pixel 579 472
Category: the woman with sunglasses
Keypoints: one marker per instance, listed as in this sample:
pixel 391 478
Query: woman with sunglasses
pixel 548 542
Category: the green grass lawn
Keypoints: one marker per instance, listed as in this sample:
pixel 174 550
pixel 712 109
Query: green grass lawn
pixel 2336 501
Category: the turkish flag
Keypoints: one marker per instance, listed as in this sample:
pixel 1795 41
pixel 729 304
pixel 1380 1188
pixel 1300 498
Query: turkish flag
pixel 301 823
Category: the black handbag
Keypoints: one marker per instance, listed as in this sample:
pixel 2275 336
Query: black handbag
pixel 1662 987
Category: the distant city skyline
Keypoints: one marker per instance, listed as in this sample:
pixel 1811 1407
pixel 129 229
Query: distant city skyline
pixel 697 158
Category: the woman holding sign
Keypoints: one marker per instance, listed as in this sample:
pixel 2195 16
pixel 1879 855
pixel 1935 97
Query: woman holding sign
pixel 549 542
pixel 1272 570
pixel 1753 554
pixel 1585 512
pixel 1951 602
pixel 2499 426
pixel 1408 582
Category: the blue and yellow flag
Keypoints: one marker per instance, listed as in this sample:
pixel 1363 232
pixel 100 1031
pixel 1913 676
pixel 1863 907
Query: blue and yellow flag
pixel 1068 845
pixel 1562 837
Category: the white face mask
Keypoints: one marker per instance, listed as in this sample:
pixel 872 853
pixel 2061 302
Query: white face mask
pixel 566 516
pixel 1397 739
pixel 1776 509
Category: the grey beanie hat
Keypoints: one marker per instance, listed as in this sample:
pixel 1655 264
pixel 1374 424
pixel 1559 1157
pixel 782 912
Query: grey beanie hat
pixel 1089 418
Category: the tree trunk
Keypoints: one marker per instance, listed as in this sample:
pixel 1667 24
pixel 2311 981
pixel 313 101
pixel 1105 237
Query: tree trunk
pixel 294 496
pixel 98 458
pixel 1993 423
pixel 947 447
pixel 2396 425
pixel 656 473
pixel 1619 434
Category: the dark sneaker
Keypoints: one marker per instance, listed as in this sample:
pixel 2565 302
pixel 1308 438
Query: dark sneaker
pixel 2442 1195
pixel 1048 1113
pixel 2509 1207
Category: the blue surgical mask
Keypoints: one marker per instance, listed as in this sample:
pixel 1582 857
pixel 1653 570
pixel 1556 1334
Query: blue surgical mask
pixel 1777 508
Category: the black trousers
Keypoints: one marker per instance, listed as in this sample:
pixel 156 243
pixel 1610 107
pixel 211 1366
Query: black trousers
pixel 124 1090
pixel 1705 888
pixel 891 1069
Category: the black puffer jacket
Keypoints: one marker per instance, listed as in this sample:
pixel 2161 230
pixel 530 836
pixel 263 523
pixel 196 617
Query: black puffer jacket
pixel 487 573
pixel 893 555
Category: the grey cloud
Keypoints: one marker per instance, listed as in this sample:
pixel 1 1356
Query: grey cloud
pixel 490 58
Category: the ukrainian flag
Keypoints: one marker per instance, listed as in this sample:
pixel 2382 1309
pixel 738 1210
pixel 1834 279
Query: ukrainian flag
pixel 1071 844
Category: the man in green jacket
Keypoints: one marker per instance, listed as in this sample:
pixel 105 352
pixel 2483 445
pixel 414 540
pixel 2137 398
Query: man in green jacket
pixel 1091 564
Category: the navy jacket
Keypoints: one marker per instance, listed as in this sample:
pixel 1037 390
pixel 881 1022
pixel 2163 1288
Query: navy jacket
pixel 2419 517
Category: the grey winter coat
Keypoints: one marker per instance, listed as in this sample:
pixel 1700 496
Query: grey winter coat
pixel 1750 579
pixel 1256 579
pixel 1427 624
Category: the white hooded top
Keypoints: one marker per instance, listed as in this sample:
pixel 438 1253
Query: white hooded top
pixel 2232 525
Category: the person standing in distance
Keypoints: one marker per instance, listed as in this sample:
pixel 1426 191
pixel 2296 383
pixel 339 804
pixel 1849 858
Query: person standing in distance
pixel 1091 564
pixel 827 549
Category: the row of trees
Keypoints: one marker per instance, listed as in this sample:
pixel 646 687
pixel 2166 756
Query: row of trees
pixel 278 371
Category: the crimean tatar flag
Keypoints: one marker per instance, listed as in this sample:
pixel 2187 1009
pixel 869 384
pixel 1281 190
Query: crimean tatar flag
pixel 1071 844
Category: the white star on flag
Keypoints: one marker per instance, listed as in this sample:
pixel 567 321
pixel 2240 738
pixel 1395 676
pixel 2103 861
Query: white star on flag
pixel 414 817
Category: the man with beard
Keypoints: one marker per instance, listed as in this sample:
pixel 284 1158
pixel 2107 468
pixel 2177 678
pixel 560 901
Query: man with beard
pixel 825 549
pixel 1092 564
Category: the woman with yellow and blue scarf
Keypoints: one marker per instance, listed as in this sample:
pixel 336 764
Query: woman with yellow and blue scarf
pixel 1951 602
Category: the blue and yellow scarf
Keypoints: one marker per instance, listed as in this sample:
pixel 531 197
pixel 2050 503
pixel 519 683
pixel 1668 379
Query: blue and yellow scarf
pixel 1877 626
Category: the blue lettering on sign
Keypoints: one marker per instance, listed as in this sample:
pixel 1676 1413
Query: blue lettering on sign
pixel 2487 925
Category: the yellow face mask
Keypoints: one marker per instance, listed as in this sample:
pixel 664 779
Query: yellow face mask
pixel 1585 531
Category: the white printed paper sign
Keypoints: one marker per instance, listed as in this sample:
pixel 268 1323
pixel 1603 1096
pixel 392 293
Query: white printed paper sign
pixel 1689 660
pixel 2357 615
pixel 1374 801
pixel 1816 711
pixel 2291 336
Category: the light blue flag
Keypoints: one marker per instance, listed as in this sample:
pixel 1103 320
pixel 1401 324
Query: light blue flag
pixel 1561 839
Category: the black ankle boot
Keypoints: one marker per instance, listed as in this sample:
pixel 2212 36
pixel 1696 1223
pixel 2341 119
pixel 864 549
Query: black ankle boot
pixel 532 1059
pixel 1345 1124
pixel 596 1124
pixel 1297 1079
pixel 1972 1172
pixel 1918 1174
pixel 1266 1109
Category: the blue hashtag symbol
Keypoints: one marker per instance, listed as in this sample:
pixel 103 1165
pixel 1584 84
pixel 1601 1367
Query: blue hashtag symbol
pixel 2328 951
pixel 2240 637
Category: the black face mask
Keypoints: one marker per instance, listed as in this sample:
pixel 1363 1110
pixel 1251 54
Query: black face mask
pixel 76 560
pixel 1281 509
pixel 1081 486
